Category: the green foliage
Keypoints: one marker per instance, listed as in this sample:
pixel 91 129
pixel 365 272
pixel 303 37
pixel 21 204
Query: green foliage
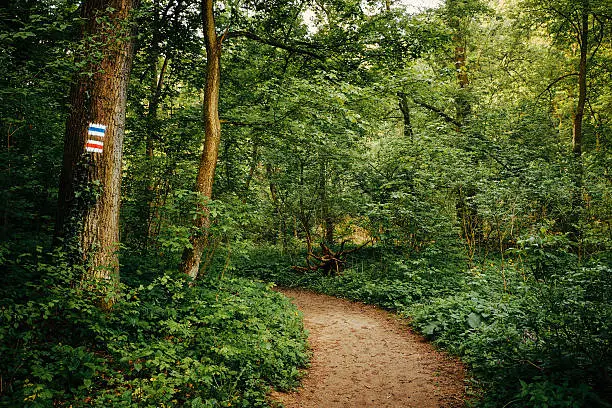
pixel 163 343
pixel 36 72
pixel 540 342
pixel 315 143
pixel 537 343
pixel 545 254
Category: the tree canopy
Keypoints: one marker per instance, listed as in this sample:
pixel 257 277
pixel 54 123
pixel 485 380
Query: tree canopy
pixel 451 163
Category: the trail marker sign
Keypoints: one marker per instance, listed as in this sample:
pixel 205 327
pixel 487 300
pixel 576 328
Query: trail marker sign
pixel 95 145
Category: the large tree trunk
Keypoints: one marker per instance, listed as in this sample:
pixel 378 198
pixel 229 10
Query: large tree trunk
pixel 89 191
pixel 212 128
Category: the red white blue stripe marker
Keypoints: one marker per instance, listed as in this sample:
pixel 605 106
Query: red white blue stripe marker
pixel 95 146
pixel 96 129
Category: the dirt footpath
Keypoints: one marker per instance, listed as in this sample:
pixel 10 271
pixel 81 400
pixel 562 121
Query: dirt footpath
pixel 366 357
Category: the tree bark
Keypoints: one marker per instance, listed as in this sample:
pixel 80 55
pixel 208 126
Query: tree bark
pixel 89 192
pixel 277 206
pixel 212 128
pixel 150 212
pixel 328 220
pixel 582 80
pixel 460 58
pixel 304 218
pixel 577 201
pixel 457 22
pixel 463 105
pixel 405 109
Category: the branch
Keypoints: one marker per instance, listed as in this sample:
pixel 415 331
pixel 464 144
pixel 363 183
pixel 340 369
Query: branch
pixel 251 124
pixel 350 251
pixel 378 171
pixel 443 115
pixel 165 16
pixel 455 122
pixel 310 254
pixel 160 81
pixel 275 43
pixel 601 34
pixel 223 36
pixel 569 20
pixel 555 81
pixel 593 113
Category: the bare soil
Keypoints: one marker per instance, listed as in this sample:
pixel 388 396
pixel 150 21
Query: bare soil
pixel 367 357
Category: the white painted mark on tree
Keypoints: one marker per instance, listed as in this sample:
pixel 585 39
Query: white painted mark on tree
pixel 94 146
pixel 96 129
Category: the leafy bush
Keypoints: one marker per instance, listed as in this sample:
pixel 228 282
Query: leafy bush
pixel 164 343
pixel 545 344
pixel 539 339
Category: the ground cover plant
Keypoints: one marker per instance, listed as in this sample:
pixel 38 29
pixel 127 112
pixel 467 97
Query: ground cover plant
pixel 464 148
pixel 165 343
pixel 539 343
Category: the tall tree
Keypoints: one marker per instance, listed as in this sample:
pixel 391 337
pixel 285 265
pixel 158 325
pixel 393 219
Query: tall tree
pixel 582 26
pixel 575 25
pixel 190 263
pixel 212 127
pixel 89 193
pixel 583 40
pixel 459 15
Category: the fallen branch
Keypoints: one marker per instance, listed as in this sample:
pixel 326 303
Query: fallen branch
pixel 332 263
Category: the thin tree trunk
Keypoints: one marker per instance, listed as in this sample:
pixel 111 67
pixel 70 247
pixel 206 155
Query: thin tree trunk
pixel 89 191
pixel 152 115
pixel 582 80
pixel 328 222
pixel 151 209
pixel 405 109
pixel 277 204
pixel 253 166
pixel 212 128
pixel 577 201
pixel 456 22
pixel 161 18
pixel 463 105
pixel 304 219
pixel 460 58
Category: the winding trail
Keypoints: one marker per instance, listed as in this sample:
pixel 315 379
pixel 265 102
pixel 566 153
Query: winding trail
pixel 367 357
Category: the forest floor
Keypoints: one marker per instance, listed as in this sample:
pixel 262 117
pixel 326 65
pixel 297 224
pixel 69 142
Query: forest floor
pixel 363 356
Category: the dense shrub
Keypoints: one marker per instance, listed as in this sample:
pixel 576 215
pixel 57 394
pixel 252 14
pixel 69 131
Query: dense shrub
pixel 528 342
pixel 546 343
pixel 164 343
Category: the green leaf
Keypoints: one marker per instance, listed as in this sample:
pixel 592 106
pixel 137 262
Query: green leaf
pixel 430 328
pixel 474 320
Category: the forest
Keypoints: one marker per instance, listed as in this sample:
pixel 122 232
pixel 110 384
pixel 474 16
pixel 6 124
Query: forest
pixel 164 164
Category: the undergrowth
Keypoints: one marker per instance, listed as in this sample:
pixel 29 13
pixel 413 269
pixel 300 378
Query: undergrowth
pixel 164 343
pixel 529 342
